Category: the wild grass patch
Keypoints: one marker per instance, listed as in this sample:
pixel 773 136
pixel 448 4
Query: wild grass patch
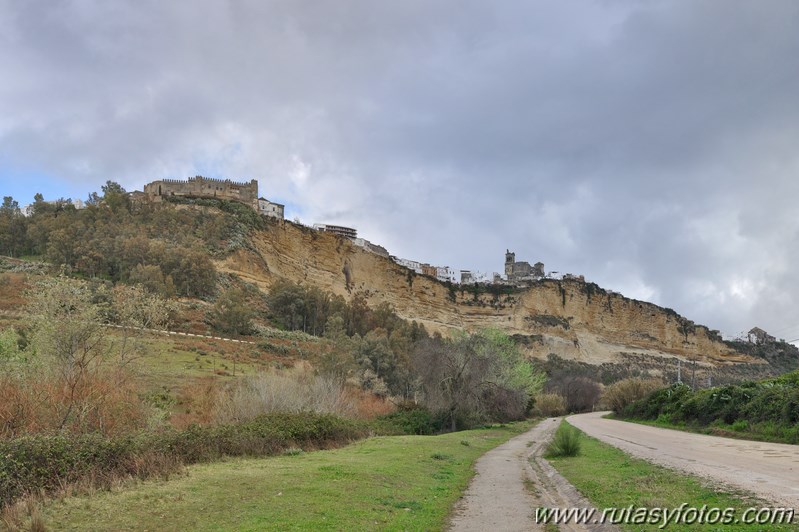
pixel 567 442
pixel 610 478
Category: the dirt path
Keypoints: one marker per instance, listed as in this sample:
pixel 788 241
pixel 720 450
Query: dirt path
pixel 509 487
pixel 769 470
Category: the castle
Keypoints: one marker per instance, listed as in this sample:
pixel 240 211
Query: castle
pixel 206 187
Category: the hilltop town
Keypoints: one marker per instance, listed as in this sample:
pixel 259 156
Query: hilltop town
pixel 516 273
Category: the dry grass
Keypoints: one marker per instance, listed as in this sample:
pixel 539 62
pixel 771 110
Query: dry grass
pixel 25 515
pixel 620 394
pixel 105 402
pixel 292 391
pixel 550 405
pixel 196 402
pixel 369 405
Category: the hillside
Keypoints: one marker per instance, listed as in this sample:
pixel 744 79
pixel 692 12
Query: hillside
pixel 571 319
pixel 176 248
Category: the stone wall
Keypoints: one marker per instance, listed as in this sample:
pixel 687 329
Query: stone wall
pixel 205 187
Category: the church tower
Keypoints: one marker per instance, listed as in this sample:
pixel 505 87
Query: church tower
pixel 510 259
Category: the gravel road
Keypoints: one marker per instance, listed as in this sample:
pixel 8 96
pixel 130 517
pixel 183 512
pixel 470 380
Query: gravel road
pixel 512 481
pixel 769 470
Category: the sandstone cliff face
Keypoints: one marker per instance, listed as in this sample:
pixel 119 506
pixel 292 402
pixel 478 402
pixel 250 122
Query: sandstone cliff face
pixel 571 319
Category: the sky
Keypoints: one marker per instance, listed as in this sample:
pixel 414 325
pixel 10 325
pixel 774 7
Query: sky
pixel 651 146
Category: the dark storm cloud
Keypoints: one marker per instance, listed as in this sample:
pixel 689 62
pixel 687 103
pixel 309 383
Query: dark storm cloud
pixel 649 145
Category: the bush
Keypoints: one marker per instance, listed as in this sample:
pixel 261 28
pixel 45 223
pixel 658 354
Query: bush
pixel 410 418
pixel 105 402
pixel 549 405
pixel 618 395
pixel 768 408
pixel 565 443
pixel 271 392
pixel 666 401
pixel 48 463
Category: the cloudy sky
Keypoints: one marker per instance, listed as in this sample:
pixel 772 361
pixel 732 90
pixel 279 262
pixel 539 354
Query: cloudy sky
pixel 652 146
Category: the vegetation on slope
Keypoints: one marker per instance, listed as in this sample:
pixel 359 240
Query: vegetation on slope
pixel 766 409
pixel 73 409
pixel 168 250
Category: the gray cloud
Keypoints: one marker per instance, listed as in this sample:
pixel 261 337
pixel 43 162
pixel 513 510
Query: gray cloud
pixel 649 145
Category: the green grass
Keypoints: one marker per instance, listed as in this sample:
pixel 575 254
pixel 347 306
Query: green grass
pixel 609 478
pixel 172 360
pixel 387 483
pixel 566 442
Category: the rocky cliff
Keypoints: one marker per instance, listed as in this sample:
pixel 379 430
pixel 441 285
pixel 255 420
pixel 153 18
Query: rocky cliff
pixel 572 319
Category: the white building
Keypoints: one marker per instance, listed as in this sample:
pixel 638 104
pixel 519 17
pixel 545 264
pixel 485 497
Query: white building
pixel 443 273
pixel 410 264
pixel 368 246
pixel 27 210
pixel 275 210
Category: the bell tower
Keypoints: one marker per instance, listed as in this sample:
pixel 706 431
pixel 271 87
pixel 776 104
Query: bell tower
pixel 510 259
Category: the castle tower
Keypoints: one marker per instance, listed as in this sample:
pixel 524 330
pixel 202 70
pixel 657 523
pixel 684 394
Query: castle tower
pixel 510 259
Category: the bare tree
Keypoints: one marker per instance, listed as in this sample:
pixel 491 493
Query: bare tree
pixel 580 393
pixel 135 310
pixel 72 344
pixel 67 333
pixel 480 376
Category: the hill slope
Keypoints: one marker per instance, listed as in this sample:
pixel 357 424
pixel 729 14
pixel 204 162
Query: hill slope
pixel 571 319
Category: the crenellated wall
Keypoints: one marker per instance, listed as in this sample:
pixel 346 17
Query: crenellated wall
pixel 205 187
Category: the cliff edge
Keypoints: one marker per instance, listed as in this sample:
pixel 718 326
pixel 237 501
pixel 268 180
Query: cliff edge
pixel 572 319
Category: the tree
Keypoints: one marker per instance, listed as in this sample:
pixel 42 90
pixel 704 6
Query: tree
pixel 194 274
pixel 337 359
pixel 115 197
pixel 580 393
pixel 476 377
pixel 73 375
pixel 377 361
pixel 286 301
pixel 136 310
pixel 9 348
pixel 13 227
pixel 152 279
pixel 231 314
pixel 67 333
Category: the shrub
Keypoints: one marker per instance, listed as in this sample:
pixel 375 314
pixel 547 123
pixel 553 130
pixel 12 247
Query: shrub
pixel 410 418
pixel 666 401
pixel 105 402
pixel 48 463
pixel 271 392
pixel 740 426
pixel 768 408
pixel 618 395
pixel 549 405
pixel 565 443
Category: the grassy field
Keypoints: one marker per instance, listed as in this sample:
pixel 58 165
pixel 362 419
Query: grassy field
pixel 390 483
pixel 609 478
